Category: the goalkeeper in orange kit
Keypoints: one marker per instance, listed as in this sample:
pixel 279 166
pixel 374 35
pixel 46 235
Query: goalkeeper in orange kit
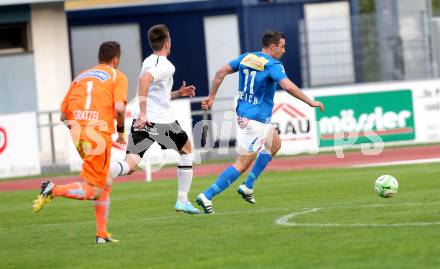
pixel 88 109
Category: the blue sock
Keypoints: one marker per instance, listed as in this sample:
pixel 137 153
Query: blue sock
pixel 223 181
pixel 263 159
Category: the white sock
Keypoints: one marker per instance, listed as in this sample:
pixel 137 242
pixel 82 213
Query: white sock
pixel 119 169
pixel 184 177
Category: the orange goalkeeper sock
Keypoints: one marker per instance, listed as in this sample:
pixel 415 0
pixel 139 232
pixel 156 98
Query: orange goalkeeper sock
pixel 76 190
pixel 102 208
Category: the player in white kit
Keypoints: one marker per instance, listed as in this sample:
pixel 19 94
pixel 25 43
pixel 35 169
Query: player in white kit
pixel 156 121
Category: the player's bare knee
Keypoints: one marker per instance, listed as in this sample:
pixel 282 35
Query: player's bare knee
pixel 132 160
pixel 187 148
pixel 240 168
pixel 274 151
pixel 132 167
pixel 276 144
pixel 132 170
pixel 242 164
pixel 185 151
pixel 275 148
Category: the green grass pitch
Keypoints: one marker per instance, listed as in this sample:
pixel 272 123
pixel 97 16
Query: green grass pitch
pixel 239 235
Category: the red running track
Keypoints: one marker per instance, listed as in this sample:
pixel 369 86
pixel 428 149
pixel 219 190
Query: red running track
pixel 278 164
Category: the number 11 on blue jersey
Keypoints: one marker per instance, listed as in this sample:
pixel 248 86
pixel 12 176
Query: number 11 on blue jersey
pixel 246 79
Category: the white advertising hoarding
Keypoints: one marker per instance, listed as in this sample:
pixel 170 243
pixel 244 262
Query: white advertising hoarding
pixel 426 99
pixel 19 154
pixel 296 123
pixel 424 95
pixel 299 126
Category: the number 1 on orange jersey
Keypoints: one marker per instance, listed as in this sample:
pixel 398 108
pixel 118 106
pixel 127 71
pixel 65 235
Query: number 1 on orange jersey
pixel 89 95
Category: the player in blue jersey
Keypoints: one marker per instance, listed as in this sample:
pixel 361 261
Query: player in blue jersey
pixel 260 73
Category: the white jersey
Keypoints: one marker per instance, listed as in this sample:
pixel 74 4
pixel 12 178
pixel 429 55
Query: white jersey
pixel 159 94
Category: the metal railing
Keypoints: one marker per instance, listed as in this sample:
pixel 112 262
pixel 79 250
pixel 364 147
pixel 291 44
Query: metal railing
pixel 51 123
pixel 208 135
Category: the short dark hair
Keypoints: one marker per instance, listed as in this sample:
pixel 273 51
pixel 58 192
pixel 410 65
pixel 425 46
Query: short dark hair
pixel 109 50
pixel 157 36
pixel 272 37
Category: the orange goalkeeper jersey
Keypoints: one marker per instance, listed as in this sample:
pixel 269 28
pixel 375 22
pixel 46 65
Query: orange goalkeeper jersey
pixel 92 96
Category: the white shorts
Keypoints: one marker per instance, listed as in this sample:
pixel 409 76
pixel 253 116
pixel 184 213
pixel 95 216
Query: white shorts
pixel 252 134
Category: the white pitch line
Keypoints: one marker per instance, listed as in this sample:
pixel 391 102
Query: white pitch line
pixel 363 225
pixel 418 161
pixel 285 220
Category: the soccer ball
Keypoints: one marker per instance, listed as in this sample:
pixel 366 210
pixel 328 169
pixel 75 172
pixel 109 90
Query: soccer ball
pixel 386 186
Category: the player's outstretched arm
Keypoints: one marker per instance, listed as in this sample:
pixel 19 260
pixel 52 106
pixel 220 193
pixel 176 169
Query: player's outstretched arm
pixel 120 121
pixel 215 85
pixel 64 106
pixel 120 100
pixel 293 90
pixel 145 80
pixel 184 91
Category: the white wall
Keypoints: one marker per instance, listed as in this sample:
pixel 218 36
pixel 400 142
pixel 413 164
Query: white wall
pixel 52 69
pixel 51 54
pixel 221 47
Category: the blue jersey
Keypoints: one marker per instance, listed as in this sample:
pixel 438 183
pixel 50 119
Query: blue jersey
pixel 258 80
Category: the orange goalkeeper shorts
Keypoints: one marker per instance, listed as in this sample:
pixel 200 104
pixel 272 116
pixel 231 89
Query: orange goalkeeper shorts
pixel 96 155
